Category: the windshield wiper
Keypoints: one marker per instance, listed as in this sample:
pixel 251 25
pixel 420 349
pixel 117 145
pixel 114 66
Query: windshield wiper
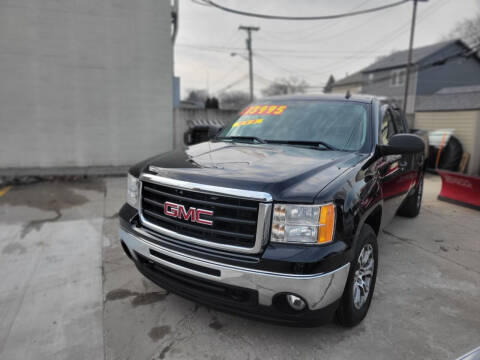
pixel 247 138
pixel 305 143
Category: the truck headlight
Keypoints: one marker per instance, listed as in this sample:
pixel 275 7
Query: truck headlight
pixel 133 190
pixel 305 224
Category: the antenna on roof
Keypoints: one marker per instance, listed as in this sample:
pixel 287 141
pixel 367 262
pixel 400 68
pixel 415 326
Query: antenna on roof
pixel 348 95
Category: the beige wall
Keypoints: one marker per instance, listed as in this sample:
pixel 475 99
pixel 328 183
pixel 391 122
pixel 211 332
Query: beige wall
pixel 467 130
pixel 354 89
pixel 84 83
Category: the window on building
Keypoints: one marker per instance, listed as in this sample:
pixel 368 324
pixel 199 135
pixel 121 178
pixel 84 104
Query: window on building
pixel 397 77
pixel 370 78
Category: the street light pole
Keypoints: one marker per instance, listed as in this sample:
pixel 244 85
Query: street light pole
pixel 249 30
pixel 409 61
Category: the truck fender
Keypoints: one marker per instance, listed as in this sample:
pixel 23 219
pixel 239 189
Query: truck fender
pixel 378 206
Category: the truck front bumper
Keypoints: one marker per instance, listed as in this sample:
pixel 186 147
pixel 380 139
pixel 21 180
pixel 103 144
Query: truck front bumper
pixel 186 274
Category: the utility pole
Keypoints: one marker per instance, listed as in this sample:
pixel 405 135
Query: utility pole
pixel 409 61
pixel 249 30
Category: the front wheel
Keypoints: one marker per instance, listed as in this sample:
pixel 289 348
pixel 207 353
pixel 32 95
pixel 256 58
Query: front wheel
pixel 360 285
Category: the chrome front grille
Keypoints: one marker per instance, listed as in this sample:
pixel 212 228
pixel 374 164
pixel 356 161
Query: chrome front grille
pixel 237 224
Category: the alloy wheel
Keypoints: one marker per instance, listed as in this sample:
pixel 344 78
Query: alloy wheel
pixel 363 276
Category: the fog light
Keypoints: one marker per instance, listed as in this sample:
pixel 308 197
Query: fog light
pixel 296 302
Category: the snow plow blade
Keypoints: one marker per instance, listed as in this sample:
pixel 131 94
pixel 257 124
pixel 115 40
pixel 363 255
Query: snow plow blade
pixel 460 189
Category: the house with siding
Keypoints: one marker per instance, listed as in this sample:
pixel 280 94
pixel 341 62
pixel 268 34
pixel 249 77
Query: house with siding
pixel 455 108
pixel 352 83
pixel 386 77
pixel 442 94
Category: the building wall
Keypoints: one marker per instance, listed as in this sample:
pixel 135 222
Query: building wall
pixel 467 130
pixel 354 89
pixel 380 85
pixel 456 72
pixel 84 83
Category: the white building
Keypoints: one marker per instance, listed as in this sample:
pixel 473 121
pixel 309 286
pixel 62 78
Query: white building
pixel 84 84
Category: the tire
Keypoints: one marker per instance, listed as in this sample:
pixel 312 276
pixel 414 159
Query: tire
pixel 451 155
pixel 412 204
pixel 353 309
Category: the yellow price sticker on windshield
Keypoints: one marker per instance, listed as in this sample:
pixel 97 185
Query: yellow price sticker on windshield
pixel 263 109
pixel 247 122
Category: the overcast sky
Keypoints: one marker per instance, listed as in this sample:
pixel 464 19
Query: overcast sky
pixel 311 50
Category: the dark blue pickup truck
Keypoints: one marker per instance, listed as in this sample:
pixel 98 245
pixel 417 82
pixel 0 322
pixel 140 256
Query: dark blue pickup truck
pixel 277 217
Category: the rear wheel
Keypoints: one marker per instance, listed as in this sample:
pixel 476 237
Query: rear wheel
pixel 412 204
pixel 360 285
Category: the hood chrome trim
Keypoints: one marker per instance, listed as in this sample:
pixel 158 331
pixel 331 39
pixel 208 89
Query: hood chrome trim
pixel 207 189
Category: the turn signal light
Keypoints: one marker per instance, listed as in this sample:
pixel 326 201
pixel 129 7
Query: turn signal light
pixel 326 224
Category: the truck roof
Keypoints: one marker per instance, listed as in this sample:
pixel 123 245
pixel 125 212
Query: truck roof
pixel 338 96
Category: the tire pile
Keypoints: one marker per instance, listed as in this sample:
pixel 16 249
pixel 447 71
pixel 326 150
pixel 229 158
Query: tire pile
pixel 450 156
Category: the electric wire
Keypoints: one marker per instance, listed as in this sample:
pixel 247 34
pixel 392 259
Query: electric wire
pixel 300 18
pixel 232 84
pixel 311 30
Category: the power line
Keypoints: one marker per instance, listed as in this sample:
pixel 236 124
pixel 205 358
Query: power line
pixel 346 32
pixel 265 80
pixel 199 2
pixel 226 75
pixel 317 57
pixel 325 17
pixel 275 50
pixel 289 69
pixel 459 54
pixel 232 84
pixel 313 29
pixel 388 37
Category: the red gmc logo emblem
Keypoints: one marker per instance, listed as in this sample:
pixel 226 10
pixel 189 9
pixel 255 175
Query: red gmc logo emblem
pixel 193 214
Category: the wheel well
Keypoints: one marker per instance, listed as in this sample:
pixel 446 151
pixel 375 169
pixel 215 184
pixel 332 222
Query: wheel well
pixel 375 219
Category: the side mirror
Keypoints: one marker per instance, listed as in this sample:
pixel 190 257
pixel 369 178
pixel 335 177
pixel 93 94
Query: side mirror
pixel 402 144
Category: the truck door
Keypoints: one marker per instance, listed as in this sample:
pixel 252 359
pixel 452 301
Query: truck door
pixel 409 161
pixel 393 170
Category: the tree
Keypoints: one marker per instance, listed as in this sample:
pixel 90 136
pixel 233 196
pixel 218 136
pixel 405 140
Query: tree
pixel 211 103
pixel 234 100
pixel 468 30
pixel 197 95
pixel 285 86
pixel 329 85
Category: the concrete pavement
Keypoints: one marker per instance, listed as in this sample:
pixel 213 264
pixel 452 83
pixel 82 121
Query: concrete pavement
pixel 69 291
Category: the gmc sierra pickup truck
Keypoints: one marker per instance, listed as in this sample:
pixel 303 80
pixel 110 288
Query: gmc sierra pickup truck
pixel 277 217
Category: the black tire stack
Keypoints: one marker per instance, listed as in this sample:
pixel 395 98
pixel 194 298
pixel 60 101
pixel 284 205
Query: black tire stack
pixel 450 156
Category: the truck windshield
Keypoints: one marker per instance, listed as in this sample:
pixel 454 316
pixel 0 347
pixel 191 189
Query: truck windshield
pixel 340 124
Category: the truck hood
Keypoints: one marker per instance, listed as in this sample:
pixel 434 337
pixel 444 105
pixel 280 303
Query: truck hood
pixel 288 173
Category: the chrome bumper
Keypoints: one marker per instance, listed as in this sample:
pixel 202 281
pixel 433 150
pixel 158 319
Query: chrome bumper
pixel 318 290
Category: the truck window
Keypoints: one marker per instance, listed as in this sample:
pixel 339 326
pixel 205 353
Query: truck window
pixel 397 119
pixel 388 127
pixel 342 124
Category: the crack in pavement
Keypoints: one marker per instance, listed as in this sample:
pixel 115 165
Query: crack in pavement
pixel 113 216
pixel 37 224
pixel 165 350
pixel 413 242
pixel 139 299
